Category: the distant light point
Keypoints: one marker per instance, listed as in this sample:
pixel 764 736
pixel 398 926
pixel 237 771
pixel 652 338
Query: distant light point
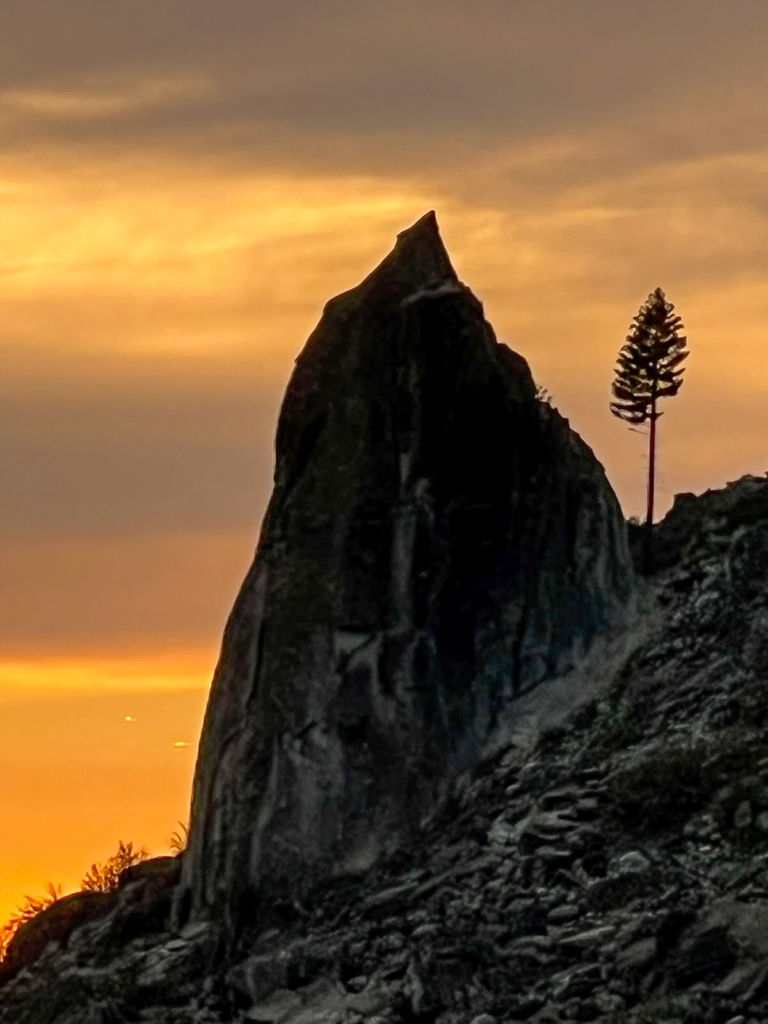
pixel 180 744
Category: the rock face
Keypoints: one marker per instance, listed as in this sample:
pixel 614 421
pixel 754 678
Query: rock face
pixel 438 542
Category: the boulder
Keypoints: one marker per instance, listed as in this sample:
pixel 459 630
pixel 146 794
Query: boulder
pixel 156 872
pixel 146 899
pixel 55 924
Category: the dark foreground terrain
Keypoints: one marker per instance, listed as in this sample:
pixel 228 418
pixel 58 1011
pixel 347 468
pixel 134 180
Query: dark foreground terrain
pixel 617 870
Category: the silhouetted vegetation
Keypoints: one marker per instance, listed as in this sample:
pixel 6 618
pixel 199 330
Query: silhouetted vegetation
pixel 179 839
pixel 105 877
pixel 102 877
pixel 30 908
pixel 648 369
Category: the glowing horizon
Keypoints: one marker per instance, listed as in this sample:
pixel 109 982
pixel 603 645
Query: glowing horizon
pixel 147 712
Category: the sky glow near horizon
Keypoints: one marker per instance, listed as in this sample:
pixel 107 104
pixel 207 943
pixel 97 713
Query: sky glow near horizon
pixel 182 190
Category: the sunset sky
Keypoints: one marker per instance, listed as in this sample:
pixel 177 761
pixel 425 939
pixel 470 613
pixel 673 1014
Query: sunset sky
pixel 184 183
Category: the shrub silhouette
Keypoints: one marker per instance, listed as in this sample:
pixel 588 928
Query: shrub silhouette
pixel 30 908
pixel 105 877
pixel 179 839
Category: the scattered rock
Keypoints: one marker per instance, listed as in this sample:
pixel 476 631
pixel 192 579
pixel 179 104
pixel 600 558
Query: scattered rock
pixel 742 817
pixel 561 915
pixel 637 957
pixel 632 863
pixel 587 940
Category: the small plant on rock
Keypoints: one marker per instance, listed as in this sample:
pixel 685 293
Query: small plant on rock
pixel 105 877
pixel 179 839
pixel 30 908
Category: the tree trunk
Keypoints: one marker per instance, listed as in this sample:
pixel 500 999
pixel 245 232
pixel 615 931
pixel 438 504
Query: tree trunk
pixel 651 489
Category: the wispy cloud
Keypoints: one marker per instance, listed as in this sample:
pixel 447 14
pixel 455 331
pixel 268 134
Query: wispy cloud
pixel 57 676
pixel 101 100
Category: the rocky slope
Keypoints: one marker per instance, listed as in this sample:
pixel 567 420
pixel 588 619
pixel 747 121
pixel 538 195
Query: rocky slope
pixel 612 867
pixel 438 542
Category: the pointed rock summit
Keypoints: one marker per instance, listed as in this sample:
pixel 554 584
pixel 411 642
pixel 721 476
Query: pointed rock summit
pixel 438 542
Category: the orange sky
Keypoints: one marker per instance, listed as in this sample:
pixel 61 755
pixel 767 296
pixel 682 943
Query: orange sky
pixel 183 185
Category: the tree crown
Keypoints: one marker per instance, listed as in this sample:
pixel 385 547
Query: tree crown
pixel 649 364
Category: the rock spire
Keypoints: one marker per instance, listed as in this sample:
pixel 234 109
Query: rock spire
pixel 438 541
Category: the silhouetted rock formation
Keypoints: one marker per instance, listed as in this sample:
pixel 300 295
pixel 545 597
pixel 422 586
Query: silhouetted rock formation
pixel 53 925
pixel 142 899
pixel 438 541
pixel 684 530
pixel 606 866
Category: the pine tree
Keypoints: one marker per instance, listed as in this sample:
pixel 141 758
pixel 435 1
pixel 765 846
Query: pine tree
pixel 648 369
